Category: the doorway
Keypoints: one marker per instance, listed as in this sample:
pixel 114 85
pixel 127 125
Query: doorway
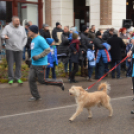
pixel 81 14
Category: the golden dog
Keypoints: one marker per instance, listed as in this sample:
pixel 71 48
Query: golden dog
pixel 88 100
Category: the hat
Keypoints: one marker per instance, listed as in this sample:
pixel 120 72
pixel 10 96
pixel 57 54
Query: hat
pixel 130 30
pixel 57 23
pixel 34 29
pixel 73 29
pixel 27 24
pixel 49 40
pixel 45 25
pixel 98 33
pixel 84 28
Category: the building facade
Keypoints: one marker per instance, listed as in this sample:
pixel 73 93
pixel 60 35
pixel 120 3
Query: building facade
pixel 101 13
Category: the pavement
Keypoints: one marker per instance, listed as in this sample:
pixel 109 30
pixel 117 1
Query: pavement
pixel 51 114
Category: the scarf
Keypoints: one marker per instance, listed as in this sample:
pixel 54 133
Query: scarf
pixel 77 44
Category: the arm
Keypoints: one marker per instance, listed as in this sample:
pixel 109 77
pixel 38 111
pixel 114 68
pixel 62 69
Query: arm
pixel 72 47
pixel 98 44
pixel 129 54
pixel 25 38
pixel 54 35
pixel 4 33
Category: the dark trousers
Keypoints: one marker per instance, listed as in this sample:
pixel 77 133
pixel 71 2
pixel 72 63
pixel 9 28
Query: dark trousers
pixel 99 69
pixel 90 71
pixel 14 57
pixel 53 72
pixel 74 71
pixel 113 63
pixel 28 51
pixel 38 73
pixel 129 69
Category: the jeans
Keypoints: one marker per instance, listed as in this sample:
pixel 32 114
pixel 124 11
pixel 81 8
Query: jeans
pixel 53 72
pixel 66 67
pixel 90 71
pixel 99 69
pixel 129 68
pixel 113 63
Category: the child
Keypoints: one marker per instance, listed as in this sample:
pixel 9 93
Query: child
pixel 91 60
pixel 52 58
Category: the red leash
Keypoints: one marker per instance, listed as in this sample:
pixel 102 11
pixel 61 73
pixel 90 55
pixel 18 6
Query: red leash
pixel 107 73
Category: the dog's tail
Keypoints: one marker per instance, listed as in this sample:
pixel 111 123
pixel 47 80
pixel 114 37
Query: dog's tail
pixel 104 87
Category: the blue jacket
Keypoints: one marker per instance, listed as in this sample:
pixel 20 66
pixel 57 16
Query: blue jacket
pixel 91 57
pixel 52 56
pixel 104 53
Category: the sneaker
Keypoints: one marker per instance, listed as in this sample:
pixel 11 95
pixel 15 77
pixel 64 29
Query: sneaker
pixel 20 81
pixel 132 112
pixel 62 87
pixel 34 99
pixel 10 82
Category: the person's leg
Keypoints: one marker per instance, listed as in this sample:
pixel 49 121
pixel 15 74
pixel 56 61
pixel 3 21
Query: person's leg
pixel 10 63
pixel 17 59
pixel 47 72
pixel 118 69
pixel 41 78
pixel 29 53
pixel 24 51
pixel 101 68
pixel 32 82
pixel 129 69
pixel 65 67
pixel 53 72
pixel 96 71
pixel 90 71
pixel 113 72
pixel 75 69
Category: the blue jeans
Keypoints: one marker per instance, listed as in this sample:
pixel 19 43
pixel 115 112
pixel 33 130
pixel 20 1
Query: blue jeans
pixel 53 72
pixel 113 63
pixel 90 71
pixel 129 68
pixel 99 69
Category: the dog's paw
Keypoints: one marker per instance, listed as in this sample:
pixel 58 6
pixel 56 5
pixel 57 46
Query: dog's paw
pixel 89 117
pixel 110 115
pixel 70 120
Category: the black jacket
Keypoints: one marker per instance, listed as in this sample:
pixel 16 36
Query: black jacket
pixel 28 45
pixel 106 35
pixel 74 58
pixel 91 35
pixel 116 45
pixel 64 46
pixel 54 33
pixel 45 34
pixel 98 44
pixel 84 42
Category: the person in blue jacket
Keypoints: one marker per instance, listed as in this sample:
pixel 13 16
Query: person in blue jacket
pixel 91 61
pixel 52 58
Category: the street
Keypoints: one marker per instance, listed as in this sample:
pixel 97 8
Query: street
pixel 51 114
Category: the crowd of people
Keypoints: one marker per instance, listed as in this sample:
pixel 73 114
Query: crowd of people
pixel 89 50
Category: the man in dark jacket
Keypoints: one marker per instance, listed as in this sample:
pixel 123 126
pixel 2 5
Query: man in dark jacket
pixel 91 33
pixel 55 31
pixel 116 45
pixel 63 49
pixel 108 34
pixel 44 32
pixel 84 47
pixel 100 67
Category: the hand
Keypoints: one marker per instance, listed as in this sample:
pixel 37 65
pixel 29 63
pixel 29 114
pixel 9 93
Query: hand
pixel 35 58
pixel 82 52
pixel 75 52
pixel 3 46
pixel 6 37
pixel 48 64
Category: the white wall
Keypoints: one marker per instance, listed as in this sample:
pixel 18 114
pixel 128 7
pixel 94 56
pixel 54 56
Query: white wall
pixel 94 13
pixel 118 13
pixel 62 11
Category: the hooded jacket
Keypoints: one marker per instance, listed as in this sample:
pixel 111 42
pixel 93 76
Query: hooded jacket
pixel 17 37
pixel 52 56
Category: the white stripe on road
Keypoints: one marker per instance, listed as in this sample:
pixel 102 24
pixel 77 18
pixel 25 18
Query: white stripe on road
pixel 51 109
